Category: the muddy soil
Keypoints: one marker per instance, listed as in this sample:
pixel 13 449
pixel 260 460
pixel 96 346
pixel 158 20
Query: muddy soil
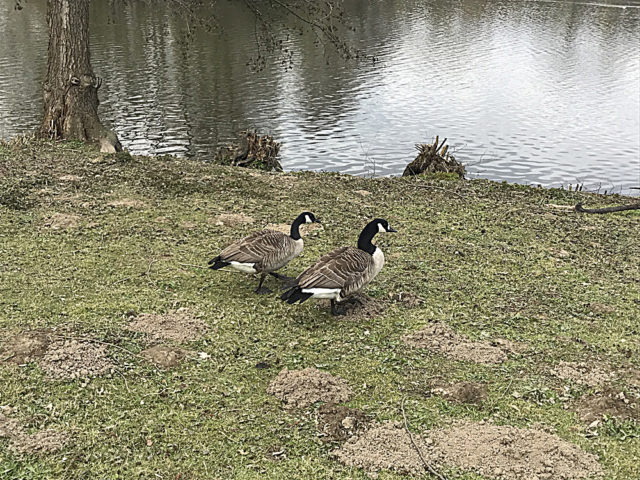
pixel 440 338
pixel 178 325
pixel 303 388
pixel 231 219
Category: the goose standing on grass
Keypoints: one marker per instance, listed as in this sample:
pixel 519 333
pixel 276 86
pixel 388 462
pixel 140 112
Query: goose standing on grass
pixel 264 252
pixel 342 272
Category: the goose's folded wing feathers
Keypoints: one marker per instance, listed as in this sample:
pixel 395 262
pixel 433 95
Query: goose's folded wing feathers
pixel 336 269
pixel 255 247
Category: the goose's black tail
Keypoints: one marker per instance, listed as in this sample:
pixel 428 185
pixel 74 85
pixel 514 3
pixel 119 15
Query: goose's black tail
pixel 217 264
pixel 294 295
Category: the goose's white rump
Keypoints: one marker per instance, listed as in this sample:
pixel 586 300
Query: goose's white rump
pixel 332 293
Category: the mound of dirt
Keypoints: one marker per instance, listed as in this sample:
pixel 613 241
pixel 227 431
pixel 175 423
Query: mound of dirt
pixel 502 452
pixel 610 404
pixel 337 423
pixel 582 373
pixel 63 221
pixel 231 219
pixel 303 388
pixel 44 441
pixel 75 359
pixel 386 446
pixel 440 338
pixel 512 453
pixel 25 347
pixel 164 356
pixel 463 392
pixel 177 325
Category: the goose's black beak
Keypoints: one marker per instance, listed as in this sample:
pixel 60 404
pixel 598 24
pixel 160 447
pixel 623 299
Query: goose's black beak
pixel 391 229
pixel 318 220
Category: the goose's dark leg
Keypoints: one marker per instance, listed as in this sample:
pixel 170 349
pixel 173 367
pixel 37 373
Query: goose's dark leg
pixel 337 311
pixel 282 278
pixel 262 290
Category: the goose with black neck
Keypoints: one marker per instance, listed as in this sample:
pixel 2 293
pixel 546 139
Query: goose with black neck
pixel 342 272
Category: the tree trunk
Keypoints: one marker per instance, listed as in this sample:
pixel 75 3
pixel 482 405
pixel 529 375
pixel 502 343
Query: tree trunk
pixel 71 88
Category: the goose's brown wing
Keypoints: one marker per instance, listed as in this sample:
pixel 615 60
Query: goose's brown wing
pixel 342 268
pixel 263 247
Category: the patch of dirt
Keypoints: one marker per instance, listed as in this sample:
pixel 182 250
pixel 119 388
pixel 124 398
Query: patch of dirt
pixel 127 202
pixel 386 446
pixel 231 219
pixel 440 338
pixel 337 423
pixel 502 452
pixel 279 227
pixel 601 308
pixel 303 388
pixel 512 453
pixel 609 403
pixel 364 193
pixel 25 347
pixel 582 373
pixel 63 221
pixel 164 356
pixel 463 392
pixel 408 299
pixel 75 359
pixel 177 325
pixel 44 441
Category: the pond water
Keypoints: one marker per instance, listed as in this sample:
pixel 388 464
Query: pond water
pixel 540 92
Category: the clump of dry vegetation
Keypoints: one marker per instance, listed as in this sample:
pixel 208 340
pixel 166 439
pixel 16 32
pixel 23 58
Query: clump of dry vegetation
pixel 434 158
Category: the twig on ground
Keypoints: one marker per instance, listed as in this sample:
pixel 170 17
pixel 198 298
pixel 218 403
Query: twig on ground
pixel 429 467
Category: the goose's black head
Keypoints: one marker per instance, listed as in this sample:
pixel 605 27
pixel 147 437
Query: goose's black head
pixel 304 217
pixel 378 225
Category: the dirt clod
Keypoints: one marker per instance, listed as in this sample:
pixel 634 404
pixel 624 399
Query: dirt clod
pixel 25 347
pixel 75 359
pixel 582 373
pixel 338 423
pixel 127 202
pixel 303 388
pixel 177 325
pixel 463 392
pixel 164 356
pixel 440 338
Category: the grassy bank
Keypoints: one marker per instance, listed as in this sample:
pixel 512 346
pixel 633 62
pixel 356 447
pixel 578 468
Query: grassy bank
pixel 89 241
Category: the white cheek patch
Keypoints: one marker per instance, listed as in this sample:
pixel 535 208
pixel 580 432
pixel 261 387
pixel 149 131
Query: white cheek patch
pixel 381 228
pixel 307 219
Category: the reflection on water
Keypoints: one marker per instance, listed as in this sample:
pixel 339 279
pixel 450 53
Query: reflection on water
pixel 542 92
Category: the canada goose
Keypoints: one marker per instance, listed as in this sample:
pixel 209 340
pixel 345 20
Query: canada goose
pixel 342 272
pixel 264 252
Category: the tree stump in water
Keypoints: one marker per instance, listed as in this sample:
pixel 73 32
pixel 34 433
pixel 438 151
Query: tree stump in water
pixel 251 151
pixel 434 158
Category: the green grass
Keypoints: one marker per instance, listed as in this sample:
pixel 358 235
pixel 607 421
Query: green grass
pixel 491 260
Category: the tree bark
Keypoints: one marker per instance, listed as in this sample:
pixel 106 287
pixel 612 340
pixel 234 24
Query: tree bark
pixel 71 88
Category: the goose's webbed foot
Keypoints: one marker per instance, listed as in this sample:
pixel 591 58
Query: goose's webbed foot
pixel 338 310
